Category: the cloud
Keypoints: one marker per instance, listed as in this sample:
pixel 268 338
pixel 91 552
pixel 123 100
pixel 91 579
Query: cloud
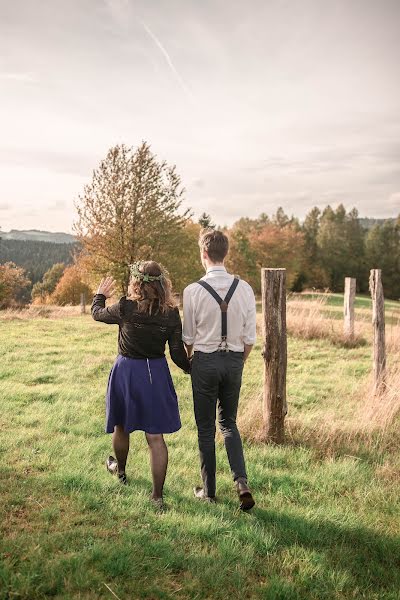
pixel 60 162
pixel 20 77
pixel 119 11
pixel 394 201
pixel 198 183
pixel 58 205
pixel 170 64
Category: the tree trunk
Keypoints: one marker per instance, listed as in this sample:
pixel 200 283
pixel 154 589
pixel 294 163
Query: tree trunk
pixel 273 284
pixel 349 296
pixel 378 321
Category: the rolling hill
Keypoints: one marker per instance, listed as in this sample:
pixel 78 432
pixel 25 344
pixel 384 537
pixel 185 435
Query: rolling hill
pixel 35 235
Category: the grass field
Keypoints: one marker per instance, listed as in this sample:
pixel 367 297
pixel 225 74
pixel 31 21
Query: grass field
pixel 326 523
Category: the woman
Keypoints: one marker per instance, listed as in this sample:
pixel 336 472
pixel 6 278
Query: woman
pixel 140 392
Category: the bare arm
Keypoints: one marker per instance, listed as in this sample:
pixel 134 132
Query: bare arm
pixel 250 326
pixel 247 349
pixel 189 323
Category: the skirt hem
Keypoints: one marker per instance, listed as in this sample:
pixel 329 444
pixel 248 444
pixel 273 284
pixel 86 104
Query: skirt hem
pixel 146 431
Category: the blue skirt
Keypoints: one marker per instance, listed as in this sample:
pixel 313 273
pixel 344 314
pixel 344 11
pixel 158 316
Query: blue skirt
pixel 141 395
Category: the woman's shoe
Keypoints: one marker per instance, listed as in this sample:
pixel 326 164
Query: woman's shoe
pixel 158 503
pixel 112 467
pixel 122 478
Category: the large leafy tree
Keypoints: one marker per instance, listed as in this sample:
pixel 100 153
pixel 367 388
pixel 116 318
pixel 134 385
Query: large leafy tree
pixel 242 258
pixel 13 284
pixel 277 247
pixel 186 267
pixel 130 211
pixel 70 287
pixel 43 289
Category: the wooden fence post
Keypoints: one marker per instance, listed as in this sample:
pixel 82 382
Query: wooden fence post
pixel 349 296
pixel 83 304
pixel 273 285
pixel 378 321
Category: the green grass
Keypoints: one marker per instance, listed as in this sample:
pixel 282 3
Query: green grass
pixel 323 527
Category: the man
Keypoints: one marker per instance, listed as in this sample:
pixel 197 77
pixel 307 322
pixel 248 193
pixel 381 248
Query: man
pixel 219 330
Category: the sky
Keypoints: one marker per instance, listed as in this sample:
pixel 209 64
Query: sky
pixel 259 104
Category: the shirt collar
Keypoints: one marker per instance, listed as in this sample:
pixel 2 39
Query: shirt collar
pixel 219 268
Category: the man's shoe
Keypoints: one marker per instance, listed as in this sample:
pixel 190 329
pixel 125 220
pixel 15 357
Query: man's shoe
pixel 246 500
pixel 199 493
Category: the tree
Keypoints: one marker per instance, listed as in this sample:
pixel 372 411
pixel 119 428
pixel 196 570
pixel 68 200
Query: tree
pixel 205 221
pixel 42 290
pixel 383 252
pixel 280 218
pixel 277 247
pixel 332 242
pixel 341 245
pixel 186 267
pixel 13 284
pixel 242 258
pixel 314 274
pixel 355 246
pixel 70 287
pixel 130 211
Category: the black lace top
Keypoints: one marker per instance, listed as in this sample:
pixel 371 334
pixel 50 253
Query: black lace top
pixel 142 335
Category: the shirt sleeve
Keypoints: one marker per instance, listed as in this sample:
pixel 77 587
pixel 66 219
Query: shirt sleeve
pixel 249 330
pixel 176 347
pixel 110 315
pixel 189 323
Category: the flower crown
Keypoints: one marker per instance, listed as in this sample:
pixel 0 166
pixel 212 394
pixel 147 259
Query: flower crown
pixel 137 273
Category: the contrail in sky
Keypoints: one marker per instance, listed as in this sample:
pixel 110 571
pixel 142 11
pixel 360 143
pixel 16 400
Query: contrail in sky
pixel 169 61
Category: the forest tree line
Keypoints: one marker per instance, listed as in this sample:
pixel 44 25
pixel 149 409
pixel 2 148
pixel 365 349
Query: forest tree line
pixel 35 257
pixel 319 252
pixel 132 210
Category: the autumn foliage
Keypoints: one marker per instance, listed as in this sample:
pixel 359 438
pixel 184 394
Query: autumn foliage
pixel 13 284
pixel 70 287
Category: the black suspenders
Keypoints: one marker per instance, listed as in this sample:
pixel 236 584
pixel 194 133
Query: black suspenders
pixel 223 304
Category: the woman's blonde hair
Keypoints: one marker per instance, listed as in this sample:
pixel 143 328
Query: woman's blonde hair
pixel 151 287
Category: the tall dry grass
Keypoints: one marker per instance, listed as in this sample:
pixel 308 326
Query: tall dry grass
pixel 42 311
pixel 372 425
pixel 393 338
pixel 307 321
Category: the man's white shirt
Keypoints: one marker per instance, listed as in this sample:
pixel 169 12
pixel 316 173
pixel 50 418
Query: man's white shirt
pixel 202 314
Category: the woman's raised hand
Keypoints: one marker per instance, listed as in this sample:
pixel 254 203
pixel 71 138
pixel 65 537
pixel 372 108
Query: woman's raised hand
pixel 106 287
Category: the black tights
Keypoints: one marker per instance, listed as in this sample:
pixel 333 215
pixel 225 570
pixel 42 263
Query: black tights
pixel 158 456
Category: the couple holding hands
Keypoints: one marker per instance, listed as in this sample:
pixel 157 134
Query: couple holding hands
pixel 219 331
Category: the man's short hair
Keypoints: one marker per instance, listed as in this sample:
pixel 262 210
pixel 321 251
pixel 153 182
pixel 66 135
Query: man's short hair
pixel 215 243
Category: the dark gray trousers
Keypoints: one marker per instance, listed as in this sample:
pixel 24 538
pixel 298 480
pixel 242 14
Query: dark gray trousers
pixel 216 381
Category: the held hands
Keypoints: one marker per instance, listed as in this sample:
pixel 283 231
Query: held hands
pixel 106 287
